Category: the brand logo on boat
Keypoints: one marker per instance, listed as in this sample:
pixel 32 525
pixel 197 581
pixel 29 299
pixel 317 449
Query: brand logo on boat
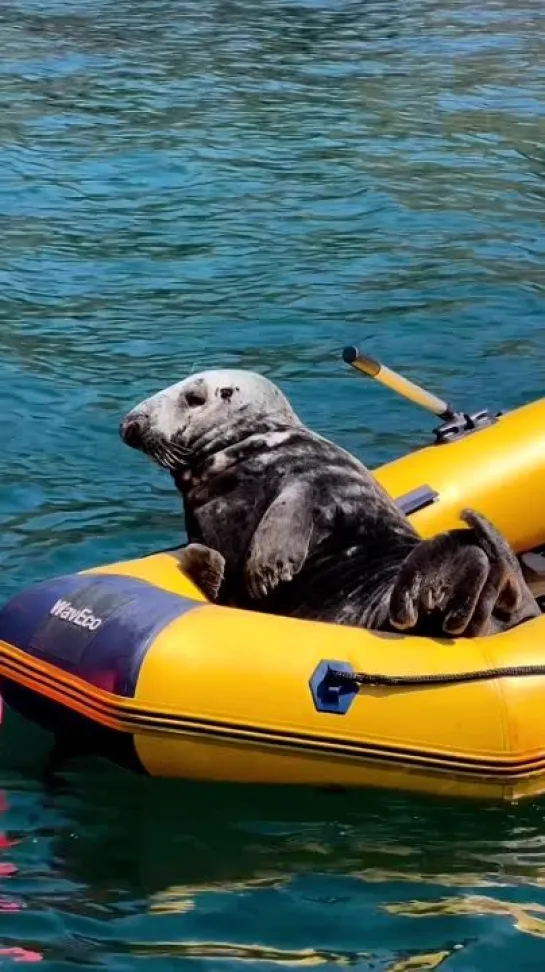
pixel 83 617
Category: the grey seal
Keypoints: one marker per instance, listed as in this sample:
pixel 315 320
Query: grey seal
pixel 302 526
pixel 204 566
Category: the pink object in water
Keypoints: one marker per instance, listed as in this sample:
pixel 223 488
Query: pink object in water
pixel 7 905
pixel 6 842
pixel 21 954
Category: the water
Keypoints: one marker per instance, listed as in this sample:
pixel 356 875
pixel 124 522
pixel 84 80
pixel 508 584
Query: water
pixel 257 184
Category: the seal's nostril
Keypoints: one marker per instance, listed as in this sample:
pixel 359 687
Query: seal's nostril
pixel 130 431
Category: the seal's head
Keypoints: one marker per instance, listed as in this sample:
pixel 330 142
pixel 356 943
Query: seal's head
pixel 203 414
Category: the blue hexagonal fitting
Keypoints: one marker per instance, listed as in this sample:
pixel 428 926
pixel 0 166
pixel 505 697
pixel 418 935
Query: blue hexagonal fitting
pixel 329 695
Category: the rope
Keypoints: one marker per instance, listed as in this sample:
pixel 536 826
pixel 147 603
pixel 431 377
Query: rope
pixel 334 675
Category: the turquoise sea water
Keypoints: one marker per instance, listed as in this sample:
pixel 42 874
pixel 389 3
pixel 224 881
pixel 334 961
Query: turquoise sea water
pixel 186 184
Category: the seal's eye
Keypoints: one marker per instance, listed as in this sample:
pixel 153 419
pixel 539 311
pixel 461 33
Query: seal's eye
pixel 226 394
pixel 194 397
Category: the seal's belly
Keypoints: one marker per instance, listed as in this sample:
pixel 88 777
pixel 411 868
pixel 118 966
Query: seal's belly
pixel 228 522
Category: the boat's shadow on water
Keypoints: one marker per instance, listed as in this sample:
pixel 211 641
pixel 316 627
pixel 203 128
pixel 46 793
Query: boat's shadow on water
pixel 167 869
pixel 114 828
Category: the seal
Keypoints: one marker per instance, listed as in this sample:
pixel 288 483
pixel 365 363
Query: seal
pixel 204 566
pixel 303 527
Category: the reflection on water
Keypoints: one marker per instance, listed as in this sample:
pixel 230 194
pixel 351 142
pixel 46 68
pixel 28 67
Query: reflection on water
pixel 524 915
pixel 117 869
pixel 196 183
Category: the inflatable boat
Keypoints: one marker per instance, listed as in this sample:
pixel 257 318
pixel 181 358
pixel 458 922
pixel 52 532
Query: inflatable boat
pixel 130 661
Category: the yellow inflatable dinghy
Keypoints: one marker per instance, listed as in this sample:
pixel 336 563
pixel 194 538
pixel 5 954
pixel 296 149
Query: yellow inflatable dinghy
pixel 129 659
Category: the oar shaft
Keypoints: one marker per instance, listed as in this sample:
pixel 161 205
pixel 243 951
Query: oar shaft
pixel 374 369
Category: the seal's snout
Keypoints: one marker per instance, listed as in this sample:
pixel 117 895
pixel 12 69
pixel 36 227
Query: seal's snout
pixel 131 431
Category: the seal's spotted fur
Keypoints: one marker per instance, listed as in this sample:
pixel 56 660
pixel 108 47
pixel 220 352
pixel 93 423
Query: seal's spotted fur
pixel 303 526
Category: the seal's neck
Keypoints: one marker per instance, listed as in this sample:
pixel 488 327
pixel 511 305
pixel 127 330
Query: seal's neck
pixel 229 434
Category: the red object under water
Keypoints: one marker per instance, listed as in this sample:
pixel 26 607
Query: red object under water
pixel 5 842
pixel 15 952
pixel 21 954
pixel 7 904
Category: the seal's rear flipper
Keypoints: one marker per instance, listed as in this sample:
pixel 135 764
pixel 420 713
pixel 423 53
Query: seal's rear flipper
pixel 516 599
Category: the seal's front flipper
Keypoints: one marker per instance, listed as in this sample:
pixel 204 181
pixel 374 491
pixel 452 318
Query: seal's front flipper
pixel 204 566
pixel 280 544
